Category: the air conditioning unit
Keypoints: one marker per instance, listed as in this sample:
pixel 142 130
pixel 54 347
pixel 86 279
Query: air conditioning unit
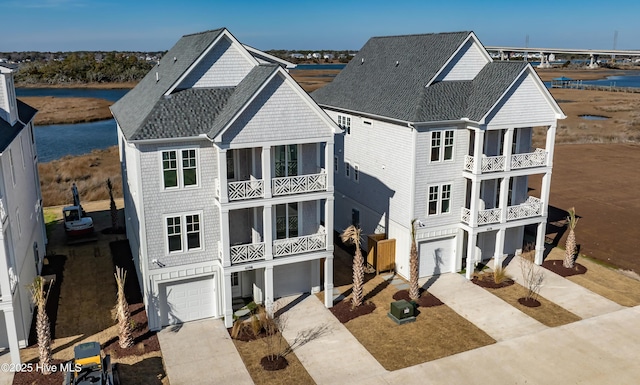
pixel 401 312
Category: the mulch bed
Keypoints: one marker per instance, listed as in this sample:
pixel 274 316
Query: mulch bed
pixel 54 267
pixel 111 230
pixel 145 341
pixel 529 302
pixel 344 312
pixel 557 267
pixel 489 283
pixel 32 377
pixel 277 363
pixel 426 299
pixel 246 334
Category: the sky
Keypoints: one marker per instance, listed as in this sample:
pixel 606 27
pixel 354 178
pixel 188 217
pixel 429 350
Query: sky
pixel 143 25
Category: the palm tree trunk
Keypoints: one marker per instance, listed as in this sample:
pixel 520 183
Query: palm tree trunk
pixel 358 277
pixel 43 332
pixel 414 266
pixel 125 334
pixel 570 250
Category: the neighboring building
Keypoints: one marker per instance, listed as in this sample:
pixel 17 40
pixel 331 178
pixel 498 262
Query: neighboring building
pixel 437 131
pixel 228 188
pixel 23 232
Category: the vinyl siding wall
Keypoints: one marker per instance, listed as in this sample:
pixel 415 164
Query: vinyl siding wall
pixel 523 106
pixel 159 202
pixel 224 66
pixel 465 65
pixel 278 113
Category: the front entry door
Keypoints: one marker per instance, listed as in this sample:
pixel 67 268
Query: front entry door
pixel 236 287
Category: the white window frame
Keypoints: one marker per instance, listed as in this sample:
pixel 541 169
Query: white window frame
pixel 445 139
pixel 184 233
pixel 335 164
pixel 440 196
pixel 347 170
pixel 344 122
pixel 356 173
pixel 180 158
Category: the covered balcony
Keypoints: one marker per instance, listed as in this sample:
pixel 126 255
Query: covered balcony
pixel 265 172
pixel 262 233
pixel 532 207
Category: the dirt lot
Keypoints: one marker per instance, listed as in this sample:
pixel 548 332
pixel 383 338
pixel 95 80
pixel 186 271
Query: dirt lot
pixel 600 181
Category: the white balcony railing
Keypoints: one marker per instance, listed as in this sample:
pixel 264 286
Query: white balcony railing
pixel 299 245
pixel 466 215
pixel 537 158
pixel 485 217
pixel 532 207
pixel 247 253
pixel 489 163
pixel 246 189
pixel 299 184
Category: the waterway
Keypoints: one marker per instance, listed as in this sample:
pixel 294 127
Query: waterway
pixel 56 141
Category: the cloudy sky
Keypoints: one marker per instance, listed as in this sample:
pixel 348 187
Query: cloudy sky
pixel 143 25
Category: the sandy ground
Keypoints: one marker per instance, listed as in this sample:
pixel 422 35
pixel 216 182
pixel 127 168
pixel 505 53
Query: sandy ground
pixel 52 110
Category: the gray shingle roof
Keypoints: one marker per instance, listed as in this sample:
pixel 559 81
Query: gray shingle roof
pixel 378 86
pixel 133 109
pixel 9 132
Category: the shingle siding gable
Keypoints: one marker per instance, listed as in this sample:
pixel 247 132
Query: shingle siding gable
pixel 466 64
pixel 223 66
pixel 277 113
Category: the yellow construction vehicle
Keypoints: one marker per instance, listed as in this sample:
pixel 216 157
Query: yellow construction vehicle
pixel 90 368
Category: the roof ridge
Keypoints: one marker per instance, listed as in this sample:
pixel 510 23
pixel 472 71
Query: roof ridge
pixel 422 34
pixel 204 32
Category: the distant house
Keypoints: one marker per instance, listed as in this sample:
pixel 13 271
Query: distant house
pixel 436 131
pixel 297 56
pixel 21 221
pixel 328 56
pixel 228 184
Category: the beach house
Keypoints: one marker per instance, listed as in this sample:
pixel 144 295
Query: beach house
pixel 436 131
pixel 228 184
pixel 21 221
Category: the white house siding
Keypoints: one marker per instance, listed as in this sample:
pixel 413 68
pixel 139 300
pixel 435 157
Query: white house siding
pixel 384 180
pixel 437 173
pixel 223 66
pixel 4 101
pixel 26 225
pixel 466 64
pixel 132 198
pixel 524 105
pixel 278 113
pixel 159 202
pixel 371 222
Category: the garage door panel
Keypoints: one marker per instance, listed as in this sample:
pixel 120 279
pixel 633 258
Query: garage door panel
pixel 291 279
pixel 436 256
pixel 188 300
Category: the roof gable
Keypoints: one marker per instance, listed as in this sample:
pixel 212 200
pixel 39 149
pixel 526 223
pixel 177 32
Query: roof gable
pixel 388 74
pixel 466 63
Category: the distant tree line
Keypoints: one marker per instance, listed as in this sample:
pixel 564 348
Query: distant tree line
pixel 89 67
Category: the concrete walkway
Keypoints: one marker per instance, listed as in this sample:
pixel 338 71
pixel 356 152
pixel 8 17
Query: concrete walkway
pixel 580 301
pixel 494 316
pixel 595 351
pixel 6 378
pixel 336 356
pixel 201 352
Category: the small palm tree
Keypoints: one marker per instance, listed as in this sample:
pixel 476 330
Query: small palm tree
pixel 43 327
pixel 352 235
pixel 571 248
pixel 123 316
pixel 414 265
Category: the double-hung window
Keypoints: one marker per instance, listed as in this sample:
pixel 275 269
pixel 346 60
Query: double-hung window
pixel 439 199
pixel 344 122
pixel 183 232
pixel 442 145
pixel 179 168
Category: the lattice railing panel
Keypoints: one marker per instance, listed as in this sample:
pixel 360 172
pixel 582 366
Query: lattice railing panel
pixel 248 189
pixel 247 253
pixel 538 158
pixel 493 163
pixel 532 207
pixel 299 184
pixel 299 245
pixel 486 217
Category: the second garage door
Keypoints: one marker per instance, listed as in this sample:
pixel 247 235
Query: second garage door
pixel 436 256
pixel 294 278
pixel 187 300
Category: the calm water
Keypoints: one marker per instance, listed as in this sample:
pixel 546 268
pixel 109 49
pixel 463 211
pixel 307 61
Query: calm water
pixel 58 140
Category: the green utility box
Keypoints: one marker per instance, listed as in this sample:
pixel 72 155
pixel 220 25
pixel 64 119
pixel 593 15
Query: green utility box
pixel 401 312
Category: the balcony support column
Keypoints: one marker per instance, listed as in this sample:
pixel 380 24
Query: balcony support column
pixel 544 193
pixel 550 144
pixel 267 228
pixel 266 171
pixel 499 252
pixel 478 146
pixel 225 244
pixel 227 302
pixel 222 175
pixel 507 148
pixel 540 237
pixel 328 165
pixel 328 280
pixel 504 199
pixel 471 254
pixel 475 197
pixel 268 289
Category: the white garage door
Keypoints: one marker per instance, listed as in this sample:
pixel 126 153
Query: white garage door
pixel 187 300
pixel 291 279
pixel 436 256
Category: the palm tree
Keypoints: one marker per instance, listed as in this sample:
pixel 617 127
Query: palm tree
pixel 123 316
pixel 571 248
pixel 43 328
pixel 414 265
pixel 352 234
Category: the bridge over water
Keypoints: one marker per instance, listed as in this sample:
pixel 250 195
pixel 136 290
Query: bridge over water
pixel 594 54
